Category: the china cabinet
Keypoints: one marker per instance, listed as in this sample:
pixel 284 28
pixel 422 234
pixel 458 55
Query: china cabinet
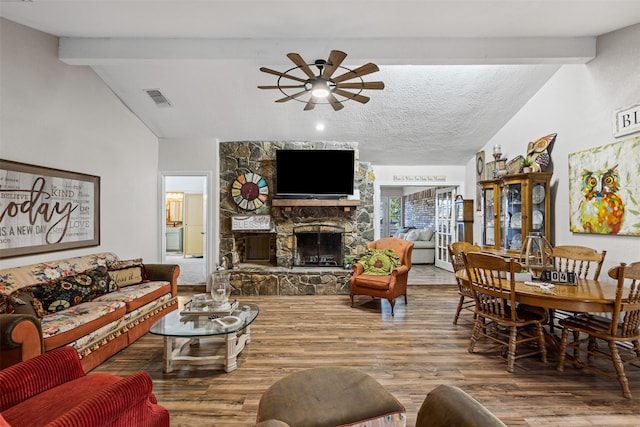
pixel 464 219
pixel 513 207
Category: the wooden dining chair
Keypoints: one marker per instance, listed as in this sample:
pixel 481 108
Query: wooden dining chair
pixel 456 251
pixel 580 260
pixel 583 261
pixel 622 327
pixel 492 281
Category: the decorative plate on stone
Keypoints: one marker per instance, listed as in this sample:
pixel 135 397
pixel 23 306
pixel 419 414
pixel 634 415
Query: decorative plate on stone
pixel 249 191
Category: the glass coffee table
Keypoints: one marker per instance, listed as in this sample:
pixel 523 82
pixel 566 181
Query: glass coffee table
pixel 182 335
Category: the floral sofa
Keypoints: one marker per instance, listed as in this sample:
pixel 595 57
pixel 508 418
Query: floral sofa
pixel 424 244
pixel 96 303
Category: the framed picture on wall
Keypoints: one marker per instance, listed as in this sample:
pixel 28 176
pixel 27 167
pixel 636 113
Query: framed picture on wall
pixel 604 189
pixel 46 210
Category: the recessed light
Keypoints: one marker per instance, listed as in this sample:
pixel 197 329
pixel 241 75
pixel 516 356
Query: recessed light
pixel 319 126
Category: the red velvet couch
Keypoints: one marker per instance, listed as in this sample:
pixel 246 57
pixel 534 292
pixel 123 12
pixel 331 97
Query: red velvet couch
pixel 53 390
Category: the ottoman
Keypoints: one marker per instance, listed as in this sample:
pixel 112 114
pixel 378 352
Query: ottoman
pixel 329 397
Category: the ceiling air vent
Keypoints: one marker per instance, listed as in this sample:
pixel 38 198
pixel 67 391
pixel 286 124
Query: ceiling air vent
pixel 158 98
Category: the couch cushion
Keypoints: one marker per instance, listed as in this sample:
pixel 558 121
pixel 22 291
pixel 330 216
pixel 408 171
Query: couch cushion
pixel 372 282
pixel 57 401
pixel 423 244
pixel 379 262
pixel 70 291
pixel 128 276
pixel 68 325
pixel 135 296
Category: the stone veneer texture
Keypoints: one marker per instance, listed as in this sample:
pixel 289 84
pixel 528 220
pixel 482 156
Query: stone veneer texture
pixel 237 158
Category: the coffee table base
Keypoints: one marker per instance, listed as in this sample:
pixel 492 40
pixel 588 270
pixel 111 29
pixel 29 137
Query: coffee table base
pixel 232 345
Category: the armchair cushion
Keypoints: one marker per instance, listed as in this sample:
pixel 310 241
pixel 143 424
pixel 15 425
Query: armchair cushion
pixel 379 262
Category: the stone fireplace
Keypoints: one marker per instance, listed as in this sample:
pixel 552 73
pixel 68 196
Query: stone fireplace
pixel 302 249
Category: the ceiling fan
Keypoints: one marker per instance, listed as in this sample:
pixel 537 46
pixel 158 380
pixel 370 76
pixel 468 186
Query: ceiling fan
pixel 322 87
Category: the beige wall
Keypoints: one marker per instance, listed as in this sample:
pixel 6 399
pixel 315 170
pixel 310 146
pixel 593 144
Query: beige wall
pixel 578 104
pixel 65 117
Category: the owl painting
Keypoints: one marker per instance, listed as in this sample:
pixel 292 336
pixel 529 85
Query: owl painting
pixel 602 208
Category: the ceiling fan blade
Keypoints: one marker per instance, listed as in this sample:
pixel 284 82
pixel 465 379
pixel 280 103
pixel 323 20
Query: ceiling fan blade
pixel 358 72
pixel 333 62
pixel 337 105
pixel 297 59
pixel 310 104
pixel 294 96
pixel 361 85
pixel 282 87
pixel 278 73
pixel 360 98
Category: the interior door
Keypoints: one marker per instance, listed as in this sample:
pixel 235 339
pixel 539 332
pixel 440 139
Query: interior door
pixel 194 225
pixel 445 226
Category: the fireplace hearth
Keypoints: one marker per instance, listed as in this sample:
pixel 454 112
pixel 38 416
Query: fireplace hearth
pixel 318 246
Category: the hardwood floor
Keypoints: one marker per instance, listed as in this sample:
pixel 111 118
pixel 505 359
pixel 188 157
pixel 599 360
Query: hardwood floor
pixel 410 354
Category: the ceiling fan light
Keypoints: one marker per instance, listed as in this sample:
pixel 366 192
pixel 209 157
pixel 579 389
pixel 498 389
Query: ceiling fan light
pixel 320 89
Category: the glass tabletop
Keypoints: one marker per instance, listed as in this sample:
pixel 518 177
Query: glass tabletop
pixel 176 325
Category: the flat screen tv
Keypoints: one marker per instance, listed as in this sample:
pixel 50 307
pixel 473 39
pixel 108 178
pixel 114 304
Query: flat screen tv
pixel 314 173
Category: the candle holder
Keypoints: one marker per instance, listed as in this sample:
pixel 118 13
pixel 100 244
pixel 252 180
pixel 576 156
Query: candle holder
pixel 220 291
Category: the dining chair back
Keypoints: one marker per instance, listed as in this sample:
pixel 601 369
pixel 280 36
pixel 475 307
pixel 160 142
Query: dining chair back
pixel 492 281
pixel 623 326
pixel 579 260
pixel 456 255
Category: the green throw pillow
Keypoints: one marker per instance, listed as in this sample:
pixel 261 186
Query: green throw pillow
pixel 379 262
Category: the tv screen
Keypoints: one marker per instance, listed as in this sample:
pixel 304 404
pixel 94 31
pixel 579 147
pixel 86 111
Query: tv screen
pixel 314 173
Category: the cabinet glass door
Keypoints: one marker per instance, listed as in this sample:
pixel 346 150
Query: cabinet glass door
pixel 488 231
pixel 513 218
pixel 538 208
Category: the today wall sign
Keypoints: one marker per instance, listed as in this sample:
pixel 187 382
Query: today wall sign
pixel 626 120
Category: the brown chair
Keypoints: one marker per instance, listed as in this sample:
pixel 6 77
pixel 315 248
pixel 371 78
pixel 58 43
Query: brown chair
pixel 456 251
pixel 622 327
pixel 579 260
pixel 492 281
pixel 388 287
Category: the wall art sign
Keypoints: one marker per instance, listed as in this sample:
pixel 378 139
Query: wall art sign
pixel 626 120
pixel 604 189
pixel 46 210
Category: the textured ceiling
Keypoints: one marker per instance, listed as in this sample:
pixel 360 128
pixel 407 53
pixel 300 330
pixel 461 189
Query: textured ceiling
pixel 454 71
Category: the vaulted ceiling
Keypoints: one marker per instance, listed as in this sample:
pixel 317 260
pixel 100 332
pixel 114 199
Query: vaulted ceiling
pixel 454 71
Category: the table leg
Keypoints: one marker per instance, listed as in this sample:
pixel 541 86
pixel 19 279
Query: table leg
pixel 167 356
pixel 231 362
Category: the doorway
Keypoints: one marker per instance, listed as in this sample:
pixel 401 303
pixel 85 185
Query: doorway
pixel 184 228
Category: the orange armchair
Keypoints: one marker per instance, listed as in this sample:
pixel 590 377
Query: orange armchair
pixel 390 286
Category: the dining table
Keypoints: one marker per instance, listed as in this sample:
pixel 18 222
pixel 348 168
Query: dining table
pixel 585 295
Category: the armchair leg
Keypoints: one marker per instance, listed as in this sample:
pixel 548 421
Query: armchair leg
pixel 351 295
pixel 393 303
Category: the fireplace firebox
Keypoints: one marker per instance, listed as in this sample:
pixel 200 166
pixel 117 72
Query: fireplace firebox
pixel 318 246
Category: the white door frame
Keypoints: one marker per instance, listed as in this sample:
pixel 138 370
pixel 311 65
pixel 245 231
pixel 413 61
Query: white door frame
pixel 208 211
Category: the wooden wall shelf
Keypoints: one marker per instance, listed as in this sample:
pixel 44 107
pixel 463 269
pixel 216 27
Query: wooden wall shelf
pixel 346 204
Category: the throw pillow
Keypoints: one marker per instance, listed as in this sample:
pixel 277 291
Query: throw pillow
pixel 128 276
pixel 426 235
pixel 69 291
pixel 128 272
pixel 413 235
pixel 379 262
